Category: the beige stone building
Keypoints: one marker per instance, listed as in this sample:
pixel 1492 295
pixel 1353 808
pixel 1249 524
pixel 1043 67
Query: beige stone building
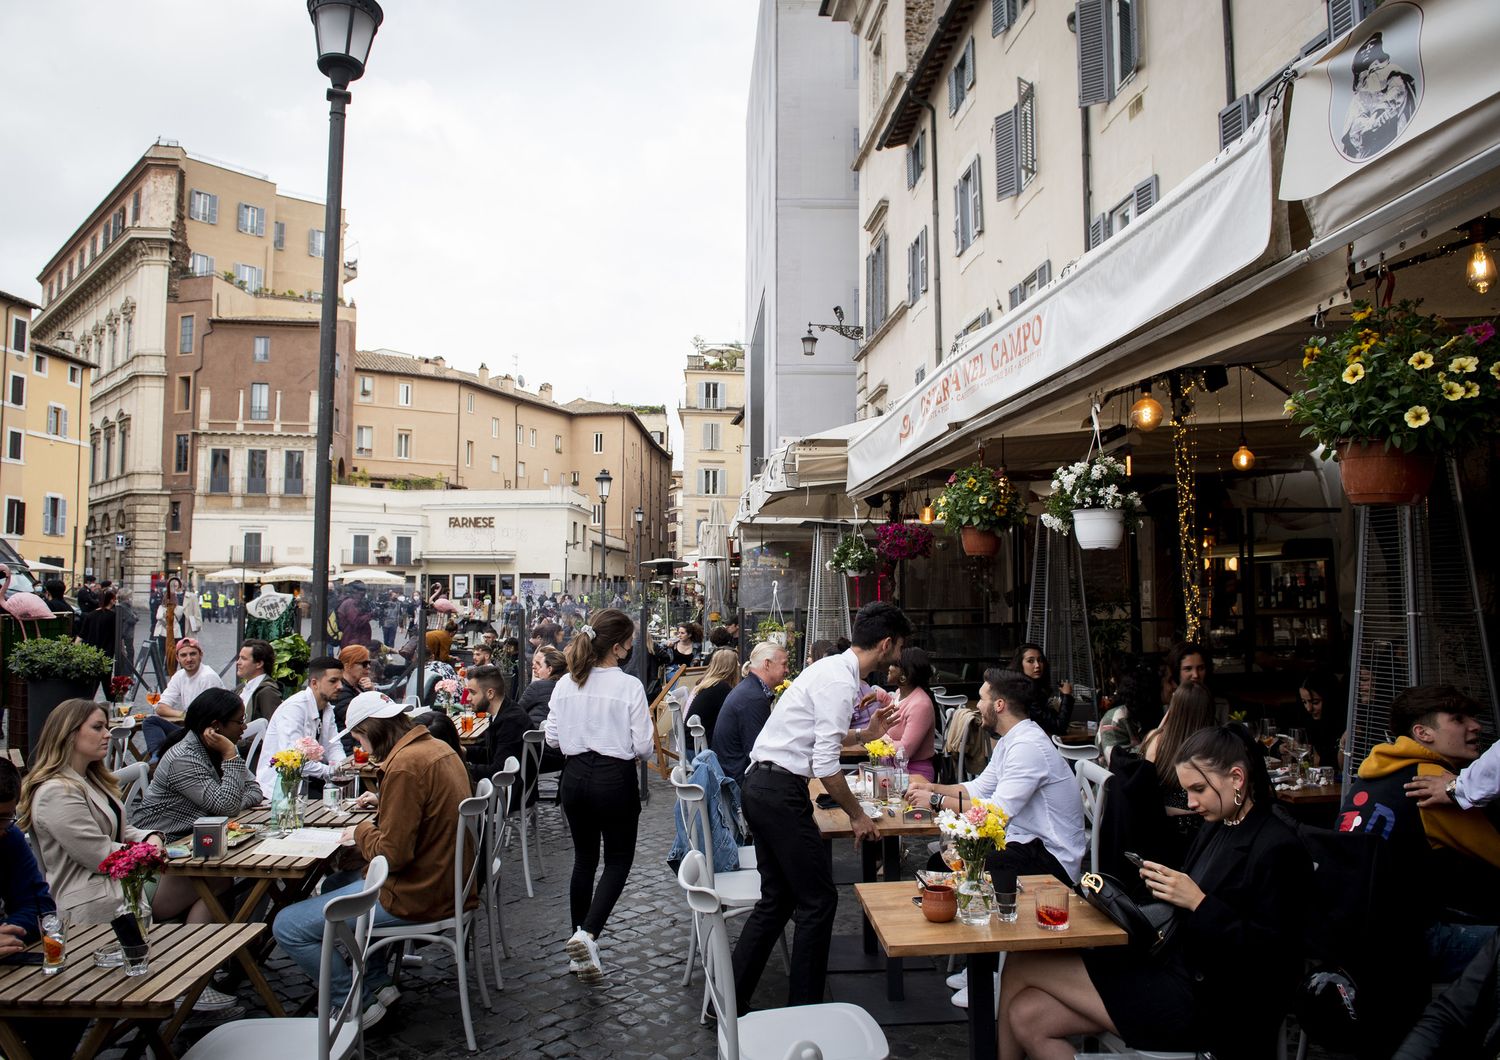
pixel 416 421
pixel 713 436
pixel 109 289
pixel 44 463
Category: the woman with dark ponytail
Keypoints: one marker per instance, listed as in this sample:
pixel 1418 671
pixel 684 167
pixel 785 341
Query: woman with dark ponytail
pixel 600 722
pixel 1225 977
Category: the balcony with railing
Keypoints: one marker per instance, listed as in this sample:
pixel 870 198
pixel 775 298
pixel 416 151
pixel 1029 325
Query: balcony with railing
pixel 373 557
pixel 252 555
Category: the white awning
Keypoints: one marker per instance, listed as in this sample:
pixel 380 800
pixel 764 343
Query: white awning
pixel 802 481
pixel 1217 222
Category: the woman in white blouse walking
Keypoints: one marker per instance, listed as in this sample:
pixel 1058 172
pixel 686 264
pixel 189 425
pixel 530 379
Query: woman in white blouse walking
pixel 601 723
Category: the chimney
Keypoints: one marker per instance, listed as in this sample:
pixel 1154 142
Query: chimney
pixel 484 373
pixel 64 341
pixel 545 391
pixel 438 360
pixel 507 384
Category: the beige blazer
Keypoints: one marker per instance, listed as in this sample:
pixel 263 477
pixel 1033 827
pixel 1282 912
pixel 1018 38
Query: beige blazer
pixel 74 826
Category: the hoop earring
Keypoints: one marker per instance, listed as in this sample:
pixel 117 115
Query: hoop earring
pixel 1239 797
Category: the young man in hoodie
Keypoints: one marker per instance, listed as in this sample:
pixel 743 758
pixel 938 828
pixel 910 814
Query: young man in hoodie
pixel 1453 853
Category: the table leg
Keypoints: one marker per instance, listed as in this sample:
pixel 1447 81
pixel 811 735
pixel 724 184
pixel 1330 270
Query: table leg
pixel 982 968
pixel 867 856
pixel 10 1043
pixel 243 955
pixel 160 1047
pixel 892 858
pixel 95 1040
pixel 184 1010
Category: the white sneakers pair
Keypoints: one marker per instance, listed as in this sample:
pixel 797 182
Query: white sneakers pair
pixel 584 954
pixel 376 1010
pixel 959 981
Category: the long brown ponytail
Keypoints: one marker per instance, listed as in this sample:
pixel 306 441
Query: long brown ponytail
pixel 596 639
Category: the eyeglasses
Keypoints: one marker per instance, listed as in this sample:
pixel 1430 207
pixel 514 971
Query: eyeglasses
pixel 6 820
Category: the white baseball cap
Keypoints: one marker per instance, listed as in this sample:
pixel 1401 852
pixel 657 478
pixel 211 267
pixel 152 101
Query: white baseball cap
pixel 369 705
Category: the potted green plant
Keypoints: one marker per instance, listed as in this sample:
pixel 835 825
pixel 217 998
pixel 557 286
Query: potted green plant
pixel 55 669
pixel 1093 500
pixel 976 503
pixel 853 556
pixel 1393 391
pixel 292 656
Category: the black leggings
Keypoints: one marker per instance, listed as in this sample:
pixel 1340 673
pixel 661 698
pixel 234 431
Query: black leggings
pixel 602 798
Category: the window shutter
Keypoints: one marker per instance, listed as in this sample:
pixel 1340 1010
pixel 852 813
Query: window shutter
pixel 1094 82
pixel 62 516
pixel 1344 15
pixel 312 242
pixel 1146 195
pixel 62 422
pixel 969 64
pixel 911 167
pixel 922 243
pixel 213 209
pixel 1007 155
pixel 1002 16
pixel 953 90
pixel 1044 273
pixel 958 209
pixel 1098 230
pixel 976 200
pixel 870 293
pixel 1130 38
pixel 911 274
pixel 1235 119
pixel 1017 295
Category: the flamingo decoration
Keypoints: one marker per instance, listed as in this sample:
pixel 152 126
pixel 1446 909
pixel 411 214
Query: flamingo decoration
pixel 438 602
pixel 22 605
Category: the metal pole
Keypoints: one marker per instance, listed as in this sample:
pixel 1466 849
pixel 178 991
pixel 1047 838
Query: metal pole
pixel 603 547
pixel 338 98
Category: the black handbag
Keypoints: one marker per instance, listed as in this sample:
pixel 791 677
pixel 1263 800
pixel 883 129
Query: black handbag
pixel 1150 925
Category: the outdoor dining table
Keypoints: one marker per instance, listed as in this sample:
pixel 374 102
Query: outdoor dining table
pixel 1318 795
pixel 284 878
pixel 477 733
pixel 905 932
pixel 183 960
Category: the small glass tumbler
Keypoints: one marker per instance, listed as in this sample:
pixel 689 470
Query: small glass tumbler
pixel 54 944
pixel 137 959
pixel 1006 911
pixel 1052 907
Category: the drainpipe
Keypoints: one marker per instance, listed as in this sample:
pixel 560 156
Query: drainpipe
pixel 1227 8
pixel 934 259
pixel 1088 194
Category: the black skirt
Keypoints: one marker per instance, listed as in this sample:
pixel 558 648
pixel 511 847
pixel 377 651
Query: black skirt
pixel 1150 1002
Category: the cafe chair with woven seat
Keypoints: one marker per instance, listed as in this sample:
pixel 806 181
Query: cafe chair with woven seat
pixel 459 932
pixel 332 1035
pixel 838 1031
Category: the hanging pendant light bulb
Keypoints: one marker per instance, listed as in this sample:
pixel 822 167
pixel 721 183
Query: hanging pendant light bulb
pixel 1481 270
pixel 1243 459
pixel 928 514
pixel 1146 413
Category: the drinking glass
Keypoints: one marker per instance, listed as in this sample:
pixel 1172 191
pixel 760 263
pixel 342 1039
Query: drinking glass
pixel 951 858
pixel 54 944
pixel 137 959
pixel 1052 907
pixel 1268 731
pixel 1005 907
pixel 900 782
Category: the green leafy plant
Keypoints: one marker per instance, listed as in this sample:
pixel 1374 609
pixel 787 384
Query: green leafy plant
pixel 853 555
pixel 980 497
pixel 292 656
pixel 1397 376
pixel 55 659
pixel 1097 482
pixel 767 626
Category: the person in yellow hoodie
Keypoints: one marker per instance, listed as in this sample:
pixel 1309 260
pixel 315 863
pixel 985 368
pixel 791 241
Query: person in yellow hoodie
pixel 1453 854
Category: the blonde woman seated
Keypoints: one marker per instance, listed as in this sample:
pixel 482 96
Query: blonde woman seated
pixel 716 683
pixel 72 807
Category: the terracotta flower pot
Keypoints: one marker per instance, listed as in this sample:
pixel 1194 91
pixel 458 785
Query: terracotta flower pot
pixel 1373 474
pixel 979 542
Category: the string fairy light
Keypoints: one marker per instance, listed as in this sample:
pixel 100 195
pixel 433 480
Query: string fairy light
pixel 1184 465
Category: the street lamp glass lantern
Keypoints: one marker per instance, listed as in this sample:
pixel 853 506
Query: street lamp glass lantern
pixel 640 515
pixel 345 31
pixel 603 479
pixel 809 342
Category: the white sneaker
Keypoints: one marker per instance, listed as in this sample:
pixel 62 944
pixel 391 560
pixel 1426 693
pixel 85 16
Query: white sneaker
pixel 212 1000
pixel 574 967
pixel 373 1014
pixel 388 996
pixel 961 999
pixel 959 980
pixel 583 949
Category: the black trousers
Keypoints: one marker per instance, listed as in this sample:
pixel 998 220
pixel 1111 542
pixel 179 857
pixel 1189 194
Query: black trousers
pixel 796 883
pixel 602 799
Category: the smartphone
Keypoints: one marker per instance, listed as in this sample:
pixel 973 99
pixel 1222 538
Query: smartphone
pixel 1134 858
pixel 827 802
pixel 24 957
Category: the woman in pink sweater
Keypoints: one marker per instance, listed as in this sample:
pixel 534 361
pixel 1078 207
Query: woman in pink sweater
pixel 915 721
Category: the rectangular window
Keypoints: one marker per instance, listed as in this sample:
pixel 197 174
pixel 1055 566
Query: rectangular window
pixel 711 481
pixel 403 445
pixel 39 364
pixel 291 481
pixel 916 158
pixel 252 220
pixel 533 437
pixel 712 437
pixel 916 268
pixel 54 516
pixel 403 550
pixel 75 375
pixel 315 242
pixel 260 401
pixel 1108 33
pixel 124 445
pixel 470 405
pixel 174 517
pixel 15 516
pixel 494 426
pixel 364 441
pixel 203 207
pixel 218 471
pixel 20 328
pixel 262 348
pixel 596 513
pixel 520 434
pixel 180 455
pixel 201 265
pixel 109 452
pixel 278 235
pixel 1031 285
pixel 135 206
pixel 877 285
pixel 367 388
pixel 250 277
pixel 255 471
pixel 403 394
pixel 546 477
pixel 57 421
pixel 968 209
pixel 961 77
pixel 13 445
pixel 184 393
pixel 557 443
pixel 598 442
pixel 185 334
pixel 252 546
pixel 495 464
pixel 711 395
pixel 520 471
pixel 575 478
pixel 468 454
pixel 17 395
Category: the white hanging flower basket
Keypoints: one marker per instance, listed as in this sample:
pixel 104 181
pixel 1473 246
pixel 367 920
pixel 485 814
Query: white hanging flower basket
pixel 1098 528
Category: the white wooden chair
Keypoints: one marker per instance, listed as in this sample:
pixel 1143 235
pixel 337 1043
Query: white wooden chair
pixel 133 779
pixel 1091 780
pixel 1081 752
pixel 502 788
pixel 524 805
pixel 255 732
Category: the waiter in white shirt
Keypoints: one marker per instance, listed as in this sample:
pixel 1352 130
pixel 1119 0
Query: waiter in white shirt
pixel 807 729
pixel 308 713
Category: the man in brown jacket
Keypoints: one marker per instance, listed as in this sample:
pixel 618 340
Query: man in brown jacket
pixel 422 781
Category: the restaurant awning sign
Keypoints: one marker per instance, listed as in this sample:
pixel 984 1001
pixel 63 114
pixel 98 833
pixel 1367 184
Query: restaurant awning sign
pixel 1215 223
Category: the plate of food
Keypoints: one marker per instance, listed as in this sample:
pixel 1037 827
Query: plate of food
pixel 926 878
pixel 236 833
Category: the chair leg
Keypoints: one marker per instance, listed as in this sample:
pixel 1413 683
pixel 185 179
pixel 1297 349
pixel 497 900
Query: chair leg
pixel 459 950
pixel 526 857
pixel 687 970
pixel 536 837
pixel 473 940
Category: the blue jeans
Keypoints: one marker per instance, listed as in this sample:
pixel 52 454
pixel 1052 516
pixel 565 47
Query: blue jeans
pixel 156 730
pixel 1450 948
pixel 299 930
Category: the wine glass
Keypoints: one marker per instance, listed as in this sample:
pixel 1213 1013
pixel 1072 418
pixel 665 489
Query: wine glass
pixel 951 857
pixel 1267 731
pixel 1299 750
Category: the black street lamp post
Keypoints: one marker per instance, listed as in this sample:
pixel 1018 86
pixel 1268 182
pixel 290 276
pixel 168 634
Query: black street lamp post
pixel 603 480
pixel 640 518
pixel 345 30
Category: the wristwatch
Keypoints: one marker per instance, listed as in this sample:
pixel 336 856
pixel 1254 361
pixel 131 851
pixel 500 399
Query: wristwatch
pixel 1451 790
pixel 935 801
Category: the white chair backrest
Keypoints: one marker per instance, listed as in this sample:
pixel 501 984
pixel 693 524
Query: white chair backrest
pixel 119 742
pixel 133 780
pixel 346 922
pixel 502 786
pixel 532 742
pixel 675 706
pixel 1091 780
pixel 255 732
pixel 700 738
pixel 958 699
pixel 473 815
pixel 938 690
pixel 692 804
pixel 697 880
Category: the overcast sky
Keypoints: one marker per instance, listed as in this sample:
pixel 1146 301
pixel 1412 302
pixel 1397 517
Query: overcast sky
pixel 554 185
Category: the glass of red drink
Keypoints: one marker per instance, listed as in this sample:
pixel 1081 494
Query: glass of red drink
pixel 1052 906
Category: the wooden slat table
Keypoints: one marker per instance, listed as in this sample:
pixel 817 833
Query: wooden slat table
pixel 481 726
pixel 905 932
pixel 285 878
pixel 1322 795
pixel 183 959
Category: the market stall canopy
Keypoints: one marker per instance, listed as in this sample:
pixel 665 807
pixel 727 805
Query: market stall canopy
pixel 39 565
pixel 802 481
pixel 371 576
pixel 287 574
pixel 233 574
pixel 1212 226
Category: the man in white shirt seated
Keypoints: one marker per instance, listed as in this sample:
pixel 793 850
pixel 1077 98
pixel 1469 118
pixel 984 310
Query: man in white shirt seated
pixel 308 713
pixel 191 678
pixel 1028 779
pixel 807 729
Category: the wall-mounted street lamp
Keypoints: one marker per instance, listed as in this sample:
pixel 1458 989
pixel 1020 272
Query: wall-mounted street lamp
pixel 852 332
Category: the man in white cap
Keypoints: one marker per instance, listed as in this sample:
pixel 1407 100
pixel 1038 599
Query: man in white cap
pixel 308 713
pixel 422 782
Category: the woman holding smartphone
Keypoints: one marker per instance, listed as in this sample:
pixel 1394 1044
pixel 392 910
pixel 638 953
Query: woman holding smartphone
pixel 1228 972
